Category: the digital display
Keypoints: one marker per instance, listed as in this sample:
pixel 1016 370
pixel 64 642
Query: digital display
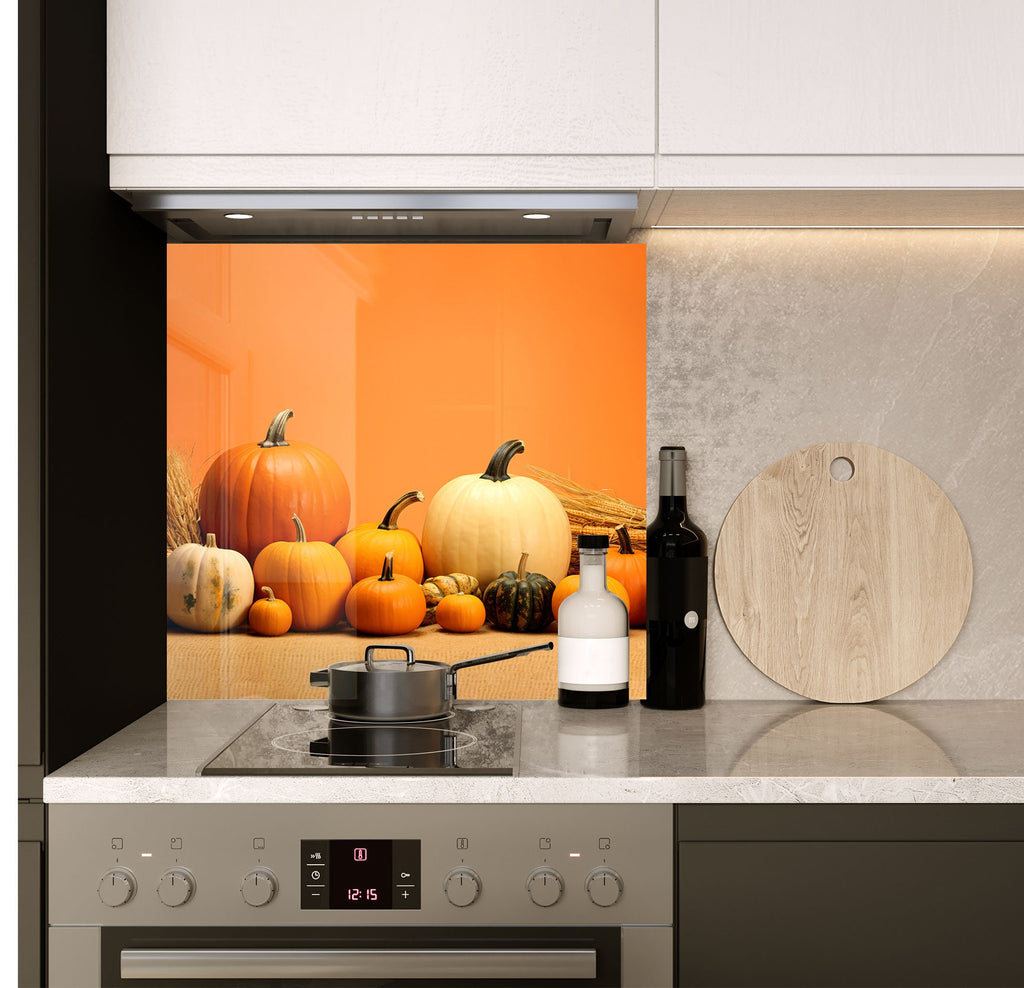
pixel 360 874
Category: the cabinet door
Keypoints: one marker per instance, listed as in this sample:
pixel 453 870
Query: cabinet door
pixel 793 77
pixel 850 913
pixel 391 77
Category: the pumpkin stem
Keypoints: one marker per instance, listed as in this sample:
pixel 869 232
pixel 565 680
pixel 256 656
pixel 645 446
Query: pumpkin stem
pixel 390 522
pixel 300 532
pixel 625 542
pixel 387 571
pixel 211 540
pixel 521 572
pixel 275 434
pixel 270 593
pixel 497 469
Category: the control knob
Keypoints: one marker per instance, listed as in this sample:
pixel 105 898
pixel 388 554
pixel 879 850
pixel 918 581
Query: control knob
pixel 462 886
pixel 117 887
pixel 545 886
pixel 259 886
pixel 176 887
pixel 604 887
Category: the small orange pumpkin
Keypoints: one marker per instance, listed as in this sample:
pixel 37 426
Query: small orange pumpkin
pixel 390 604
pixel 270 615
pixel 461 612
pixel 572 583
pixel 312 578
pixel 364 547
pixel 629 567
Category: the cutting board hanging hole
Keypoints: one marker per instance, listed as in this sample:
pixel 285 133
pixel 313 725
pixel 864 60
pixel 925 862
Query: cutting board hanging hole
pixel 841 468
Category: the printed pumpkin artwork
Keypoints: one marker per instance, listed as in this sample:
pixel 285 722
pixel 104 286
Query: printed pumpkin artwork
pixel 629 567
pixel 366 545
pixel 251 491
pixel 270 616
pixel 390 604
pixel 208 588
pixel 476 523
pixel 311 577
pixel 518 600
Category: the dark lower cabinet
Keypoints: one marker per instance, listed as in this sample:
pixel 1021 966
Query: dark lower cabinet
pixel 809 895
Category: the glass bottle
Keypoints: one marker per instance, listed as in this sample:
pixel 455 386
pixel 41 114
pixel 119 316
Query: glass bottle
pixel 677 594
pixel 593 636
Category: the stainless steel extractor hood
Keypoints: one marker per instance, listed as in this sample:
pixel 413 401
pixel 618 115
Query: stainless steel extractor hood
pixel 319 216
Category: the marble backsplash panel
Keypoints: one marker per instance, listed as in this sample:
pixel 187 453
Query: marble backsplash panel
pixel 761 342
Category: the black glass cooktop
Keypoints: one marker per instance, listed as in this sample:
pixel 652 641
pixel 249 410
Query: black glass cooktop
pixel 299 738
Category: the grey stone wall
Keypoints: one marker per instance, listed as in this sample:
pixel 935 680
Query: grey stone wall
pixel 761 342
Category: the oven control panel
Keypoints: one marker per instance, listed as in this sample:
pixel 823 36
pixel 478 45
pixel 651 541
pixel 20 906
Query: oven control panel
pixel 240 864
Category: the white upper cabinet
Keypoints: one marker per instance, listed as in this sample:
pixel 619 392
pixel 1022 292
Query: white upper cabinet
pixel 381 77
pixel 841 77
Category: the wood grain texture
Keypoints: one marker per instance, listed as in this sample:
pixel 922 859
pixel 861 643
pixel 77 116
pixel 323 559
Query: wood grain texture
pixel 843 591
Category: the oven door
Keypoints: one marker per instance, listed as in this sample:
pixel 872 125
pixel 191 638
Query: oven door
pixel 399 956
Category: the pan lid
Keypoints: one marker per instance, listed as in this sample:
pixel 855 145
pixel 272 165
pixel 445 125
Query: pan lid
pixel 370 663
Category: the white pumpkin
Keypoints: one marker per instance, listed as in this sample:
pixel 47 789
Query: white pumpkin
pixel 208 589
pixel 481 524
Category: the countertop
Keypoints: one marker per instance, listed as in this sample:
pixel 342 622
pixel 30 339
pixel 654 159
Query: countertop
pixel 968 751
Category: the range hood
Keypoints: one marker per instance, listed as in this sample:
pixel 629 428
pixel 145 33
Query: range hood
pixel 327 216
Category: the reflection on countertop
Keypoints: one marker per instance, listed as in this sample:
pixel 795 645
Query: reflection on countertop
pixel 729 751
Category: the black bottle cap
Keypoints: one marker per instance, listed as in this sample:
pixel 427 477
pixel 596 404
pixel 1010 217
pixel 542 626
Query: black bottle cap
pixel 592 541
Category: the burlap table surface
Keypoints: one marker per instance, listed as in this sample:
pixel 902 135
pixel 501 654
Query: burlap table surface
pixel 241 665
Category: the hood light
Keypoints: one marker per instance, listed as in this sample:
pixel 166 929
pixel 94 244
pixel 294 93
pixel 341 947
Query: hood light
pixel 536 216
pixel 238 216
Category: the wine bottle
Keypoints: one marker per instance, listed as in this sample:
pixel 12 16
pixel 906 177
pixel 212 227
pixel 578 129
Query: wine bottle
pixel 677 594
pixel 593 636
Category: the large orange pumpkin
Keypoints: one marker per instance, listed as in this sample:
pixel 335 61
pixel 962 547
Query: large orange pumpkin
pixel 366 545
pixel 629 567
pixel 250 492
pixel 389 604
pixel 311 577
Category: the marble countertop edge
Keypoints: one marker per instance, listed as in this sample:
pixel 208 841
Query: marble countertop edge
pixel 534 789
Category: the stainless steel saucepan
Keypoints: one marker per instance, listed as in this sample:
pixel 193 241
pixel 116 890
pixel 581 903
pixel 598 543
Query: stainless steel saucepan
pixel 392 691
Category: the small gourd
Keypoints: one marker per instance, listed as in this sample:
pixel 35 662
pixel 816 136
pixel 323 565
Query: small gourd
pixel 390 604
pixel 364 547
pixel 629 567
pixel 270 615
pixel 312 578
pixel 519 601
pixel 572 583
pixel 461 612
pixel 438 587
pixel 208 588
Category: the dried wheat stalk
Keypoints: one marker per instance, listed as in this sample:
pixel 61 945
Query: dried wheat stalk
pixel 182 502
pixel 594 512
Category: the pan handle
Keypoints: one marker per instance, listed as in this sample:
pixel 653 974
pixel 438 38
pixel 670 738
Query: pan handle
pixel 456 666
pixel 410 659
pixel 320 677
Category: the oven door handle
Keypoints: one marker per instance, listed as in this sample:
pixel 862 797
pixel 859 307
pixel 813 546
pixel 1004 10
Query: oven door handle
pixel 441 965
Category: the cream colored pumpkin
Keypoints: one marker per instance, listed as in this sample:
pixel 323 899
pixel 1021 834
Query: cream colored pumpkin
pixel 482 523
pixel 208 589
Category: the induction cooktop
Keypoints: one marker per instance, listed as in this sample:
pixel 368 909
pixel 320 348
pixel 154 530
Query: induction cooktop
pixel 300 738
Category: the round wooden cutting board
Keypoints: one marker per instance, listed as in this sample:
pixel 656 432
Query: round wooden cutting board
pixel 843 590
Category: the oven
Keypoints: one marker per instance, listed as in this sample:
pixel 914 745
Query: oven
pixel 317 894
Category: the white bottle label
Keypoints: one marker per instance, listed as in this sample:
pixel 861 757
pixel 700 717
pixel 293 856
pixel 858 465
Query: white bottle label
pixel 592 664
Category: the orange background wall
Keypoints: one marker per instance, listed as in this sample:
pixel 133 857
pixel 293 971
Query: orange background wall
pixel 410 364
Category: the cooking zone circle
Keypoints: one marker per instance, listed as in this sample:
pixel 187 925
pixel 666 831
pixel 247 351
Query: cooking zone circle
pixel 369 741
